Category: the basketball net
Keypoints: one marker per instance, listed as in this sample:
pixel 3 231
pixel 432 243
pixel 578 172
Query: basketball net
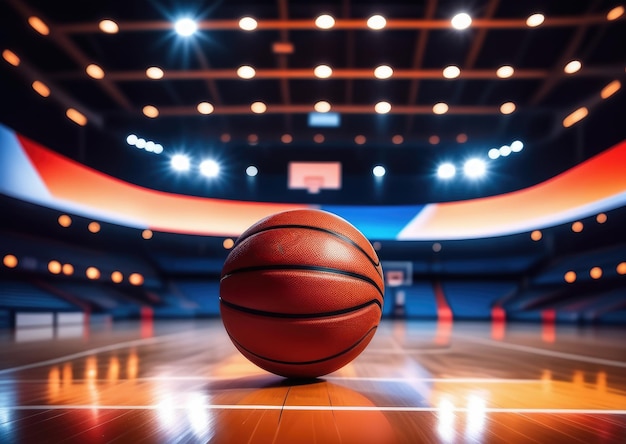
pixel 313 184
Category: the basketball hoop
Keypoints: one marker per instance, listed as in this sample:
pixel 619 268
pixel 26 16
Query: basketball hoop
pixel 394 278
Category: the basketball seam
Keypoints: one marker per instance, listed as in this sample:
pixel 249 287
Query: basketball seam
pixel 305 267
pixel 309 227
pixel 273 314
pixel 317 361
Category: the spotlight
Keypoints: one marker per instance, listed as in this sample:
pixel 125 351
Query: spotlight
pixel 446 171
pixel 252 171
pixel 185 27
pixel 517 146
pixel 180 162
pixel 474 168
pixel 209 168
pixel 379 171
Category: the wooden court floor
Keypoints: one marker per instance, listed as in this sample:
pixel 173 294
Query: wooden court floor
pixel 417 382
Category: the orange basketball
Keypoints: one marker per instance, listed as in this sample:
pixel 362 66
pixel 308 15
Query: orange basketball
pixel 301 293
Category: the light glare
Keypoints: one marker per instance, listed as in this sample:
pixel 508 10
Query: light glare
pixel 323 71
pixel 379 171
pixel 325 21
pixel 451 72
pixel 248 23
pixel 461 21
pixel 446 171
pixel 376 22
pixel 474 168
pixel 185 27
pixel 535 20
pixel 382 107
pixel 180 162
pixel 383 72
pixel 209 168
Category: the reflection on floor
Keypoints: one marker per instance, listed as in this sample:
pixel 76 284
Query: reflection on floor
pixel 183 381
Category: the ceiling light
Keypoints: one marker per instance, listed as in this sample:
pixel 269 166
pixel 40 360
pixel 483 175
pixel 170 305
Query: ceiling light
pixel 108 26
pixel 379 171
pixel 323 71
pixel 615 13
pixel 158 148
pixel 180 162
pixel 451 72
pixel 253 139
pixel 11 57
pixel 38 25
pixel 507 107
pixel 94 71
pixel 286 138
pixel 154 72
pixel 382 107
pixel 383 72
pixel 440 108
pixel 535 20
pixel 258 107
pixel 185 27
pixel 397 139
pixel 573 66
pixel 504 72
pixel 322 106
pixel 610 89
pixel 446 171
pixel 474 168
pixel 318 138
pixel 325 21
pixel 246 72
pixel 252 171
pixel 205 108
pixel 41 88
pixel 150 111
pixel 575 117
pixel 505 150
pixel 434 139
pixel 376 22
pixel 360 139
pixel 493 153
pixel 150 146
pixel 517 146
pixel 140 143
pixel 461 138
pixel 461 21
pixel 248 23
pixel 76 116
pixel 209 168
pixel 131 139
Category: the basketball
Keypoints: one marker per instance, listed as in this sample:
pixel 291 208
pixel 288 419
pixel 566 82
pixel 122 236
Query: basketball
pixel 301 293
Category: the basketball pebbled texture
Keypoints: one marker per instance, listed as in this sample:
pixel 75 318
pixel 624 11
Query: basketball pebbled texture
pixel 301 293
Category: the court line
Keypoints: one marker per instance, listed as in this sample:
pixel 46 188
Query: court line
pixel 544 352
pixel 104 348
pixel 320 408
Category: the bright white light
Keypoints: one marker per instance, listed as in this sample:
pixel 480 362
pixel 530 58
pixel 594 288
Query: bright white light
pixel 180 162
pixel 505 150
pixel 535 20
pixel 382 107
pixel 140 143
pixel 322 106
pixel 376 22
pixel 379 171
pixel 247 24
pixel 446 171
pixel 185 27
pixel 246 72
pixel 505 71
pixel 252 171
pixel 150 146
pixel 258 107
pixel 493 153
pixel 461 21
pixel 205 108
pixel 474 168
pixel 383 72
pixel 323 71
pixel 440 108
pixel 131 139
pixel 573 66
pixel 325 21
pixel 517 146
pixel 158 148
pixel 445 420
pixel 209 168
pixel 476 416
pixel 451 72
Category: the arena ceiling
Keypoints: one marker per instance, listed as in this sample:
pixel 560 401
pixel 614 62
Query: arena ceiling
pixel 417 42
